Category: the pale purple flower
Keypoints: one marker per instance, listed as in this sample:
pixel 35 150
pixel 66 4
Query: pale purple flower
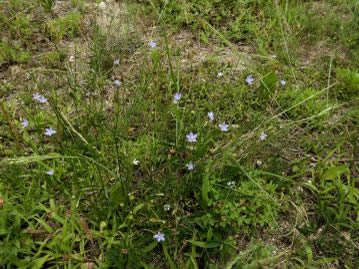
pixel 177 97
pixel 36 96
pixel 24 123
pixel 117 83
pixel 50 172
pixel 250 79
pixel 152 44
pixel 116 62
pixel 49 131
pixel 211 116
pixel 263 136
pixel 191 137
pixel 40 98
pixel 283 82
pixel 159 237
pixel 224 127
pixel 43 100
pixel 220 74
pixel 190 166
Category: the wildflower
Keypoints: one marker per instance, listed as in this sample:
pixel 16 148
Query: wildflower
pixel 250 79
pixel 40 98
pixel 166 207
pixel 24 123
pixel 263 136
pixel 190 166
pixel 43 100
pixel 152 44
pixel 283 82
pixel 49 131
pixel 50 172
pixel 102 5
pixel 116 62
pixel 191 137
pixel 231 184
pixel 224 127
pixel 71 58
pixel 259 162
pixel 219 75
pixel 36 96
pixel 117 83
pixel 159 237
pixel 177 97
pixel 211 116
pixel 136 162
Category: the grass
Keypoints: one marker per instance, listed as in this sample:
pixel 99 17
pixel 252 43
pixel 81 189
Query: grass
pixel 278 189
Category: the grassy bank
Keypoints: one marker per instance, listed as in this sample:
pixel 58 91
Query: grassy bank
pixel 179 134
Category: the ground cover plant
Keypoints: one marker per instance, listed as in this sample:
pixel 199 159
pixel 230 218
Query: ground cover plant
pixel 179 134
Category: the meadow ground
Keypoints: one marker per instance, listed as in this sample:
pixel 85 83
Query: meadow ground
pixel 179 134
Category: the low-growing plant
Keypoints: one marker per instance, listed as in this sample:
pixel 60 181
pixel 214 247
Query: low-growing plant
pixel 10 54
pixel 68 26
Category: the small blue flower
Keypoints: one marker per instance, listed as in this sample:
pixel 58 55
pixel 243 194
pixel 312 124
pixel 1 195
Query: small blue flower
pixel 177 97
pixel 211 116
pixel 50 131
pixel 159 237
pixel 152 44
pixel 24 123
pixel 190 166
pixel 224 127
pixel 191 137
pixel 250 79
pixel 40 98
pixel 263 136
pixel 50 172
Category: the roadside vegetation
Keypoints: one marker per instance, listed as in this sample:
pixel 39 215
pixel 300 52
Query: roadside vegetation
pixel 179 134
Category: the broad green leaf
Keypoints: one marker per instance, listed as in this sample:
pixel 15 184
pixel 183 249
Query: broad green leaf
pixel 38 263
pixel 334 172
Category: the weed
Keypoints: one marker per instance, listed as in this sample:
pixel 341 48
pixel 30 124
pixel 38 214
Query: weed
pixel 68 26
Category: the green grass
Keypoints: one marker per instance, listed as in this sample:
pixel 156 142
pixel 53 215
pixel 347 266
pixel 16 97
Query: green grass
pixel 279 189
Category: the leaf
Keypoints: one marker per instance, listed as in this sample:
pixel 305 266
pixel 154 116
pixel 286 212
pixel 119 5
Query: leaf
pixel 205 189
pixel 149 247
pixel 205 244
pixel 195 266
pixel 334 172
pixel 269 81
pixel 137 208
pixel 117 195
pixel 209 234
pixel 38 263
pixel 168 258
pixel 45 225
